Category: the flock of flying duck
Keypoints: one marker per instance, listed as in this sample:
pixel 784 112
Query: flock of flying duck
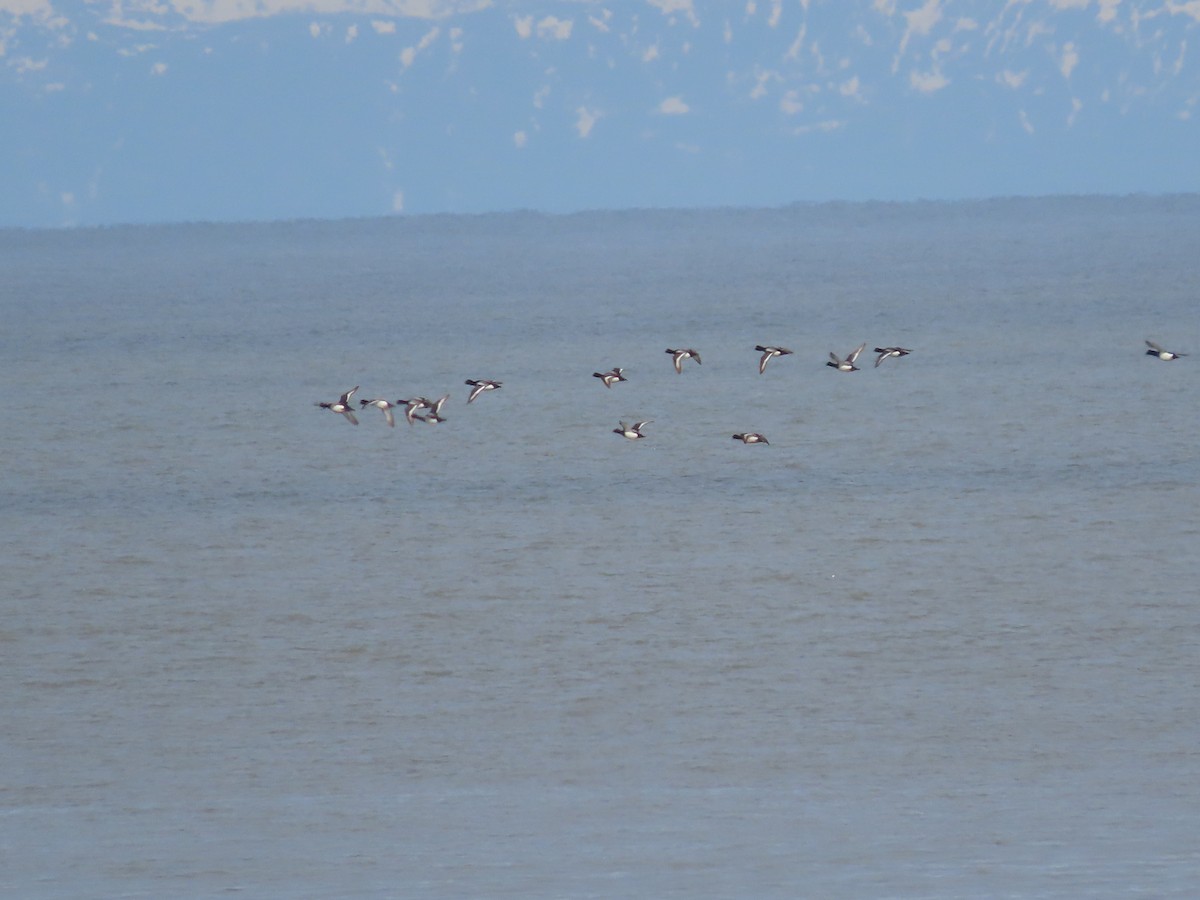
pixel 414 406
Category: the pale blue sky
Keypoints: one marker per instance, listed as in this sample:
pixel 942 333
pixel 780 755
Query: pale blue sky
pixel 182 110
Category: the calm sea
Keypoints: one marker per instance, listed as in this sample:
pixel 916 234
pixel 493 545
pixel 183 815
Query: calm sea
pixel 939 639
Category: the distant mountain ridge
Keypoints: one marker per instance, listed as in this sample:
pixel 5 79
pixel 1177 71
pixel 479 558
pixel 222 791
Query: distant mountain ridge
pixel 328 108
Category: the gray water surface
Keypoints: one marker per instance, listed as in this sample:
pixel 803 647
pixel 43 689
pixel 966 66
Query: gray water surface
pixel 939 639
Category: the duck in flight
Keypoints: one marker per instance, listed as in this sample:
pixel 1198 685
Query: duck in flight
pixel 847 364
pixel 768 354
pixel 751 437
pixel 1158 351
pixel 385 405
pixel 678 356
pixel 633 432
pixel 411 406
pixel 611 377
pixel 888 353
pixel 479 386
pixel 342 406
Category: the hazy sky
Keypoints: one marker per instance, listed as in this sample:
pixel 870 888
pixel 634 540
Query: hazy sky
pixel 179 110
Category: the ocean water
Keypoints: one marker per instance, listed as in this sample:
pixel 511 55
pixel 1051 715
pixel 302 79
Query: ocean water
pixel 939 639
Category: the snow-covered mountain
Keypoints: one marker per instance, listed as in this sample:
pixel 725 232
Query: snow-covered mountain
pixel 157 110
